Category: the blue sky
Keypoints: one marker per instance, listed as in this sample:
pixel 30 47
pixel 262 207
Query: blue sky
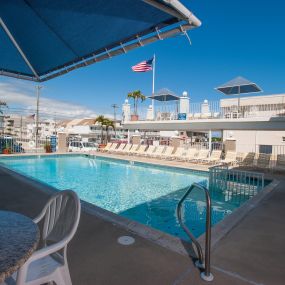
pixel 236 38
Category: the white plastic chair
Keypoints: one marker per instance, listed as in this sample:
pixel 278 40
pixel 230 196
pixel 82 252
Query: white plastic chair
pixel 49 264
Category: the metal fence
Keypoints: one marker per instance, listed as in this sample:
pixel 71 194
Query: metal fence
pixel 14 145
pixel 235 184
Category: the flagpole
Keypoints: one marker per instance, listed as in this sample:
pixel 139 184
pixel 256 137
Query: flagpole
pixel 153 79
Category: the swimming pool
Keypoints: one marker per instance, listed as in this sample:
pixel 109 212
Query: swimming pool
pixel 142 192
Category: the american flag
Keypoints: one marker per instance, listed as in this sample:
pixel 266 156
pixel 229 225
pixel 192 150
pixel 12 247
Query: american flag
pixel 143 66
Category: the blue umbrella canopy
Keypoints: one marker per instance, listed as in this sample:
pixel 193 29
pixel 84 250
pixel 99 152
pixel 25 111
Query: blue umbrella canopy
pixel 43 39
pixel 238 85
pixel 165 95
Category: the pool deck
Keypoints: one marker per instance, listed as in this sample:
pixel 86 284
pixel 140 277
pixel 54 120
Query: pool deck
pixel 253 252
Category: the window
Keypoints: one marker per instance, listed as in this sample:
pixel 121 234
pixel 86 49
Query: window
pixel 265 149
pixel 283 139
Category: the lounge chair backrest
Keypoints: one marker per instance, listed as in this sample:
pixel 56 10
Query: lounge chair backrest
pixel 113 146
pixel 134 147
pixel 280 160
pixel 150 149
pixel 121 147
pixel 203 153
pixel 107 147
pixel 216 154
pixel 263 159
pixel 191 152
pixel 179 151
pixel 249 158
pixel 231 155
pixel 127 147
pixel 160 149
pixel 169 150
pixel 142 148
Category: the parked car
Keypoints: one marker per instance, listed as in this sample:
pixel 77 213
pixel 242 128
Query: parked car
pixel 78 146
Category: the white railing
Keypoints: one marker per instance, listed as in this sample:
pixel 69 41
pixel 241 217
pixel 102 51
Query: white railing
pixel 274 150
pixel 204 145
pixel 212 110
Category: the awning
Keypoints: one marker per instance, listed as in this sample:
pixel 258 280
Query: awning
pixel 43 39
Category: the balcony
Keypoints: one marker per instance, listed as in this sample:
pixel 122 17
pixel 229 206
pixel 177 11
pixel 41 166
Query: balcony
pixel 210 110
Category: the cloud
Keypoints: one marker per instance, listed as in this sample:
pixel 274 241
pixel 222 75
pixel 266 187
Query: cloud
pixel 20 97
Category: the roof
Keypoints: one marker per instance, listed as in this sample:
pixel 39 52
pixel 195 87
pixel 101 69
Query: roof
pixel 238 85
pixel 78 122
pixel 44 39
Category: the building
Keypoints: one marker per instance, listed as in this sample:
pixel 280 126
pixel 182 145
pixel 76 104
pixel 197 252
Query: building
pixel 46 128
pixel 257 125
pixel 16 126
pixel 88 129
pixel 268 106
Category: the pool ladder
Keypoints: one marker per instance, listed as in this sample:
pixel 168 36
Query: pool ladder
pixel 206 266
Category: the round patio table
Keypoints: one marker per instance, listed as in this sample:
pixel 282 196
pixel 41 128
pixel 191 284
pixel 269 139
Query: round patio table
pixel 19 237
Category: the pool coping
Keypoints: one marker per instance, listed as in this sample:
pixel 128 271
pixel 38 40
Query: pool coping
pixel 219 231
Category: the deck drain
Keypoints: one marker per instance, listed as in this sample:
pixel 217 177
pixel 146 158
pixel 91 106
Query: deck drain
pixel 126 240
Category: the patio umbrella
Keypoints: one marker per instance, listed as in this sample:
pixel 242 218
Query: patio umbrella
pixel 43 39
pixel 237 86
pixel 165 95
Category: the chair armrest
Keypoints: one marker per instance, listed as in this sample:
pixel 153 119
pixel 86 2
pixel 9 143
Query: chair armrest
pixel 39 217
pixel 46 251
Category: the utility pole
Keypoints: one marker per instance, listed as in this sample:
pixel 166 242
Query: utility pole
pixel 115 106
pixel 38 88
pixel 21 128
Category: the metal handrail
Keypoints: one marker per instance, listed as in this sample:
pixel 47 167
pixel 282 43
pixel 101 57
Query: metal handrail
pixel 206 275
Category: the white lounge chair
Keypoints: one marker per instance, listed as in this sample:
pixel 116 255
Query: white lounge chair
pixel 248 159
pixel 120 148
pixel 149 151
pixel 49 263
pixel 179 154
pixel 214 157
pixel 126 149
pixel 230 158
pixel 263 160
pixel 107 147
pixel 140 150
pixel 158 151
pixel 133 149
pixel 280 162
pixel 167 153
pixel 190 154
pixel 113 147
pixel 202 154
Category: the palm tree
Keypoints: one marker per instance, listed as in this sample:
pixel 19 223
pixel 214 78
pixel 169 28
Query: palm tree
pixel 105 123
pixel 100 119
pixel 108 123
pixel 136 95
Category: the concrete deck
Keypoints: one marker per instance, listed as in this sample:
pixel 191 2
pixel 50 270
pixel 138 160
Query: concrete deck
pixel 252 253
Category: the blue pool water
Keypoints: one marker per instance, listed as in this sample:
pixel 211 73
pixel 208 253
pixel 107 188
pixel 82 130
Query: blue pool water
pixel 144 193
